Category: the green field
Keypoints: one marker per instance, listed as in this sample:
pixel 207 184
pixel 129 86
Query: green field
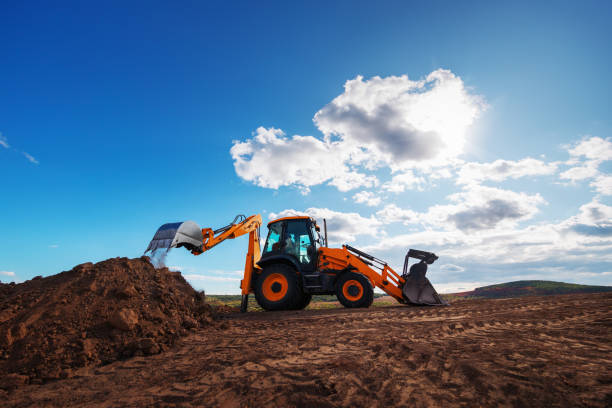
pixel 502 290
pixel 318 301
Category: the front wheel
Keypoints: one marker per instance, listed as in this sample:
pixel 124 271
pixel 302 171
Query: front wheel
pixel 277 288
pixel 354 290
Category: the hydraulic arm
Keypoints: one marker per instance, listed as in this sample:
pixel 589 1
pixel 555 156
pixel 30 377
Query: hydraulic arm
pixel 188 235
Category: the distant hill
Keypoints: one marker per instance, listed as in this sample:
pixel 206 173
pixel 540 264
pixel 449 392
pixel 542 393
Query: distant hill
pixel 501 290
pixel 529 287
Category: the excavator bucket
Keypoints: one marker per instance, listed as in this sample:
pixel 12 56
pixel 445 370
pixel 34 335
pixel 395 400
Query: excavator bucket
pixel 417 289
pixel 177 234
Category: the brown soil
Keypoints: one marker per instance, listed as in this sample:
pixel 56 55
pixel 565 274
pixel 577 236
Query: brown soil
pixel 92 315
pixel 541 351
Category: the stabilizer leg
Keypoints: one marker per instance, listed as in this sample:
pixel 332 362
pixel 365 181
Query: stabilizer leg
pixel 244 304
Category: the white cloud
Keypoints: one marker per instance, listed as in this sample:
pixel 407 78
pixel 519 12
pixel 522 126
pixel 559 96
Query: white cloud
pixel 603 184
pixel 583 238
pixel 594 219
pixel 452 268
pixel 392 213
pixel 54 246
pixel 500 170
pixel 458 287
pixel 405 180
pixel 30 158
pixel 368 198
pixel 4 141
pixel 584 171
pixel 341 227
pixel 195 271
pixel 473 210
pixel 210 278
pixel 390 121
pixel 9 276
pixel 349 180
pixel 586 156
pixel 480 208
pixel 592 148
pixel 270 159
pixel 400 121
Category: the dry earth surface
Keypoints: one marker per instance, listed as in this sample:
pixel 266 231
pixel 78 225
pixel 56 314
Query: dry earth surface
pixel 537 351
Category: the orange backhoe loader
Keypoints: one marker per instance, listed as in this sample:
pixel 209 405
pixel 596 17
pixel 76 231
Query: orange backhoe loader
pixel 296 263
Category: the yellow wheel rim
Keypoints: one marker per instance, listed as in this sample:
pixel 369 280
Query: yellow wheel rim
pixel 275 287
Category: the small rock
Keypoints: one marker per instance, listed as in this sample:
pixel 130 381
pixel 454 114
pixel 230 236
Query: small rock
pixel 127 292
pixel 124 319
pixel 19 332
pixel 206 320
pixel 189 323
pixel 148 345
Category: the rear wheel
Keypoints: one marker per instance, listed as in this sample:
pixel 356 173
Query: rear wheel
pixel 277 288
pixel 354 290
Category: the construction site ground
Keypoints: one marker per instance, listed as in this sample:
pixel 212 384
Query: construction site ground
pixel 537 351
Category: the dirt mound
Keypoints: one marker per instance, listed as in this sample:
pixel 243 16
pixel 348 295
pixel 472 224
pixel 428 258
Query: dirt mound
pixel 91 315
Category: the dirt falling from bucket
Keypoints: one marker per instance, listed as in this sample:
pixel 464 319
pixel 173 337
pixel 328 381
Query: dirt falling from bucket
pixel 158 257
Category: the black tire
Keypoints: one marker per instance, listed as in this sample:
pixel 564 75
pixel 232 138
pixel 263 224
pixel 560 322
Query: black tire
pixel 306 298
pixel 277 288
pixel 354 290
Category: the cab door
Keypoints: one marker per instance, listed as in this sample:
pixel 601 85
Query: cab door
pixel 300 244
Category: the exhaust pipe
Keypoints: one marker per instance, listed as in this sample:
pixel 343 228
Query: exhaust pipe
pixel 325 230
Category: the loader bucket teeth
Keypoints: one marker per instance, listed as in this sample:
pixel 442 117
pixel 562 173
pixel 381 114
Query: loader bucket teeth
pixel 418 290
pixel 177 234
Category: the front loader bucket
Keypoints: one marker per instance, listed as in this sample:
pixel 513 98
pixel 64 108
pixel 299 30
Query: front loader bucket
pixel 418 290
pixel 177 234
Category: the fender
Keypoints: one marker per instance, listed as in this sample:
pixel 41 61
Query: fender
pixel 351 268
pixel 280 258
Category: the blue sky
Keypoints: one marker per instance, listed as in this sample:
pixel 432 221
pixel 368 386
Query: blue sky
pixel 480 131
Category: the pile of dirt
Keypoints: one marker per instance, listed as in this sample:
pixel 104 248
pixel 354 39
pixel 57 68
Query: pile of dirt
pixel 91 315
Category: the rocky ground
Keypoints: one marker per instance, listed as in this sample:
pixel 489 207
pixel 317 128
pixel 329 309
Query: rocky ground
pixel 537 351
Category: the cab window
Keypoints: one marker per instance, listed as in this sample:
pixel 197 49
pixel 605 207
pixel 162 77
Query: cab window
pixel 273 240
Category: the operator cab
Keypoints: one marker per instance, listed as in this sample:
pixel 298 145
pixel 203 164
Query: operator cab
pixel 295 237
